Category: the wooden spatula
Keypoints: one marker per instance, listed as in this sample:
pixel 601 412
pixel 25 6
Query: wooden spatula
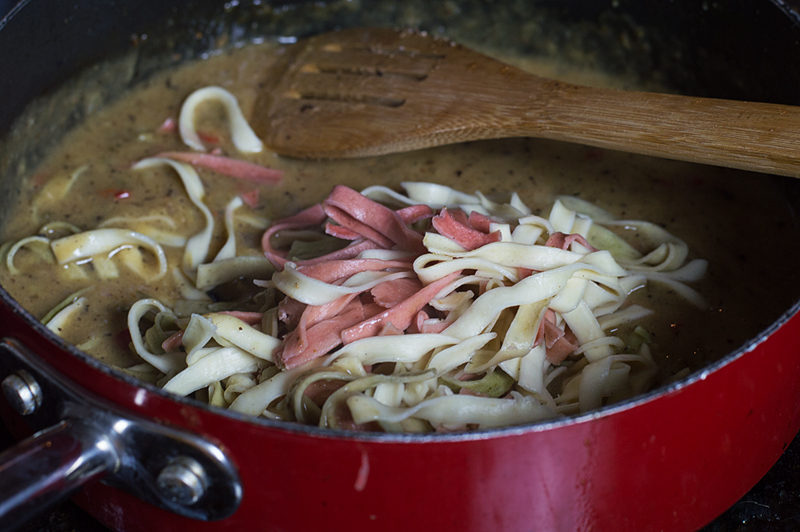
pixel 362 92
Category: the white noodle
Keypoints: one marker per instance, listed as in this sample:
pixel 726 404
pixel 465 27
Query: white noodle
pixel 493 314
pixel 228 250
pixel 242 134
pixel 106 241
pixel 197 247
pixel 222 363
pixel 315 292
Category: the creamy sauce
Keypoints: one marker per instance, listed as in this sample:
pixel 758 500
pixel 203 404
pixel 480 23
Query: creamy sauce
pixel 741 223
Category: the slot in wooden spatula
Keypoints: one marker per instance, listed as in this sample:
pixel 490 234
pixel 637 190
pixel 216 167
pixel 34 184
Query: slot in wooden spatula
pixel 361 92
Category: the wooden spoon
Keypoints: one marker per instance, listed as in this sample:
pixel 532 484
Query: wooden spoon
pixel 362 92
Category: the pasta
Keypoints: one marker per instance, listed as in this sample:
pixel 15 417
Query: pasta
pixel 414 308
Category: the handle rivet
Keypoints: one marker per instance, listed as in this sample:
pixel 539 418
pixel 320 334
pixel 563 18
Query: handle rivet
pixel 183 481
pixel 22 392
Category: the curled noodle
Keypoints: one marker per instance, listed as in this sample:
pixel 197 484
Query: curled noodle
pixel 523 326
pixel 419 309
pixel 243 136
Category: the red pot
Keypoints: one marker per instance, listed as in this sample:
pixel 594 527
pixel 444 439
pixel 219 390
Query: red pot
pixel 670 460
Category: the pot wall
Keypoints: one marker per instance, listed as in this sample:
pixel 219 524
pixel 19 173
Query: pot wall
pixel 671 462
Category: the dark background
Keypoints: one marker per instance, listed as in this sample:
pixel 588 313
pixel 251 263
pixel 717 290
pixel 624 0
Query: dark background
pixel 773 505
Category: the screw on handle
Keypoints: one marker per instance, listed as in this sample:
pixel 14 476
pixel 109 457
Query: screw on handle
pixel 85 438
pixel 22 392
pixel 183 481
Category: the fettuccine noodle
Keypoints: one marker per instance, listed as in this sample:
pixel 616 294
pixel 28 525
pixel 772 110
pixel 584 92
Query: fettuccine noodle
pixel 426 309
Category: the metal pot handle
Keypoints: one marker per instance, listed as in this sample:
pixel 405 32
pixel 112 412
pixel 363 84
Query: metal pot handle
pixel 49 466
pixel 83 439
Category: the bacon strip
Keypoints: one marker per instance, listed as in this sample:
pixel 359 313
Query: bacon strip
pixel 226 166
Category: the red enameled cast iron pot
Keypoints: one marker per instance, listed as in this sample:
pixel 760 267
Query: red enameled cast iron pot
pixel 670 460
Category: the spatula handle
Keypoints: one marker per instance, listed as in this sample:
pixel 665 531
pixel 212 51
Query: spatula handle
pixel 751 136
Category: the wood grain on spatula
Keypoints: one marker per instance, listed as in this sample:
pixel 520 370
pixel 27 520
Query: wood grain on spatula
pixel 372 91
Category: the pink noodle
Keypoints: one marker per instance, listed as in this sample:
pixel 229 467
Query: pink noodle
pixel 390 293
pixel 320 338
pixel 557 343
pixel 400 315
pixel 289 311
pixel 250 197
pixel 455 226
pixel 342 232
pixel 169 125
pixel 333 270
pixel 314 314
pixel 173 342
pixel 313 215
pixel 414 213
pixel 227 166
pixel 480 221
pixel 427 325
pixel 250 318
pixel 356 227
pixel 349 252
pixel 374 216
pixel 564 241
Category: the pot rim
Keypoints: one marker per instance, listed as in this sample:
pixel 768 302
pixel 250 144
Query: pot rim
pixel 7 303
